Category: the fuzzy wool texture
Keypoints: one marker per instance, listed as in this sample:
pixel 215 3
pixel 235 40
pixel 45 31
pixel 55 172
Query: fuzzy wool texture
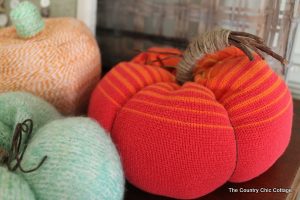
pixel 15 107
pixel 82 162
pixel 14 187
pixel 27 19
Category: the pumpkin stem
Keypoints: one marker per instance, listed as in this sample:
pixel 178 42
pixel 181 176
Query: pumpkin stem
pixel 255 43
pixel 216 40
pixel 14 153
pixel 27 19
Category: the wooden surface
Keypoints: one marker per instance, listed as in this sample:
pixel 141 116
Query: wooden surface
pixel 281 175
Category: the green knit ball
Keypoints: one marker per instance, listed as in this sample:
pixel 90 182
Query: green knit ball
pixel 15 107
pixel 27 19
pixel 82 162
pixel 13 187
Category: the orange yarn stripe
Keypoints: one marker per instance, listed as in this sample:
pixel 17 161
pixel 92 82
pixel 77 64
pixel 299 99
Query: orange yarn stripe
pixel 262 108
pixel 247 75
pixel 108 97
pixel 227 75
pixel 143 73
pixel 233 73
pixel 266 120
pixel 180 98
pixel 184 89
pixel 126 83
pixel 114 86
pixel 256 98
pixel 206 62
pixel 201 88
pixel 165 86
pixel 180 109
pixel 177 122
pixel 257 83
pixel 157 77
pixel 133 75
pixel 166 76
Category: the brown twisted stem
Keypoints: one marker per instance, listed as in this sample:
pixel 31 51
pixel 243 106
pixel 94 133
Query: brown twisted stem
pixel 15 153
pixel 213 41
pixel 3 155
pixel 255 43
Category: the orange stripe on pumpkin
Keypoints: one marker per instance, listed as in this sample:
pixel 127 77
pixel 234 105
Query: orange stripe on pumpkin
pixel 108 96
pixel 206 63
pixel 256 98
pixel 143 73
pixel 228 72
pixel 128 70
pixel 247 115
pixel 252 71
pixel 181 98
pixel 165 85
pixel 196 86
pixel 266 120
pixel 123 80
pixel 253 86
pixel 114 86
pixel 198 91
pixel 247 75
pixel 167 77
pixel 233 73
pixel 155 74
pixel 180 109
pixel 177 122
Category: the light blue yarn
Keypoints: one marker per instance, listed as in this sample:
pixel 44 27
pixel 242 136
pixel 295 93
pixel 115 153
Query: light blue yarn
pixel 15 107
pixel 82 162
pixel 13 187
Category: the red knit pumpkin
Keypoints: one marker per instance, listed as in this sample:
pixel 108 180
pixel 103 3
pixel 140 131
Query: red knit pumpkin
pixel 230 123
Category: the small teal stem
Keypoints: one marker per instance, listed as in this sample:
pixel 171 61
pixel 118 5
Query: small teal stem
pixel 27 20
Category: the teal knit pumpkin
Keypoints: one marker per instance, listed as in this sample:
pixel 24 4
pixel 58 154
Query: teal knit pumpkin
pixel 82 162
pixel 14 187
pixel 16 107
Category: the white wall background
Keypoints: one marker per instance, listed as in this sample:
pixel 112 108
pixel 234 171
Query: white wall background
pixel 293 75
pixel 87 12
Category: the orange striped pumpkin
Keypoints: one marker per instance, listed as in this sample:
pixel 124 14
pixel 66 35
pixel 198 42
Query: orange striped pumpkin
pixel 61 64
pixel 230 123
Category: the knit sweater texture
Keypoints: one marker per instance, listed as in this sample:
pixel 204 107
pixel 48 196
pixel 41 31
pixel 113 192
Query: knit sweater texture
pixel 231 123
pixel 82 162
pixel 61 64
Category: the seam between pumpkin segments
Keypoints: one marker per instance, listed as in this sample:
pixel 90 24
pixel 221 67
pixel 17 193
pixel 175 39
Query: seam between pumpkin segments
pixel 236 149
pixel 137 91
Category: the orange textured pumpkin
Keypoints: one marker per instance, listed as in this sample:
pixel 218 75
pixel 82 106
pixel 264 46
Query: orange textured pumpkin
pixel 228 119
pixel 61 64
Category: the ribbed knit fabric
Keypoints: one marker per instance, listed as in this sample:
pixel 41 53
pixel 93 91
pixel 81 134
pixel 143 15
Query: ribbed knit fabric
pixel 61 64
pixel 186 141
pixel 259 105
pixel 82 162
